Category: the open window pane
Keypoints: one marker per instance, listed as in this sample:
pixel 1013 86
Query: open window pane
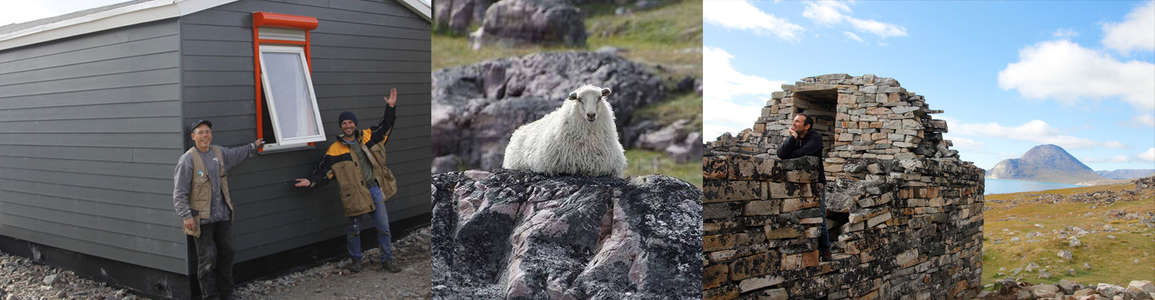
pixel 289 95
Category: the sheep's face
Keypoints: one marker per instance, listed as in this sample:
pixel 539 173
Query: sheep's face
pixel 588 99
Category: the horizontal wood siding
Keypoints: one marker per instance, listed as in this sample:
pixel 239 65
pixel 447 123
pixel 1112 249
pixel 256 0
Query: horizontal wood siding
pixel 89 127
pixel 359 50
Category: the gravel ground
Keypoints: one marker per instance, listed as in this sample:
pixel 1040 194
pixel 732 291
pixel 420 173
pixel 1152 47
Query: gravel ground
pixel 330 281
pixel 23 279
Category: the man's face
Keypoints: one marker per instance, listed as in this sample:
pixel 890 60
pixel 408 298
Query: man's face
pixel 348 127
pixel 799 124
pixel 202 136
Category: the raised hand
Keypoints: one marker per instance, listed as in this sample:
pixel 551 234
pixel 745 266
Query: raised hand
pixel 392 99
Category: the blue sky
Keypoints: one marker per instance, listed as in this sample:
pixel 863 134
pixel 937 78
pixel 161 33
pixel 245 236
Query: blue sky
pixel 1009 75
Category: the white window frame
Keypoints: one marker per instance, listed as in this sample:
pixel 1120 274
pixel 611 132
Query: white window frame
pixel 283 142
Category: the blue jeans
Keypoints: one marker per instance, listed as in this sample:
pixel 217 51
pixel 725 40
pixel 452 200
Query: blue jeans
pixel 380 218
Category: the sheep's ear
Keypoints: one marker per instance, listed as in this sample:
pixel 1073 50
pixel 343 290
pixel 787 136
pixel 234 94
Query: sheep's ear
pixel 605 92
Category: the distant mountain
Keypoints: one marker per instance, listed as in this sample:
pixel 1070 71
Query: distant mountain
pixel 1126 173
pixel 1047 163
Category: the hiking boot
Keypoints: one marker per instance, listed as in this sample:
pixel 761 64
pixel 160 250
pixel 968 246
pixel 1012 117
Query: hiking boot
pixel 353 266
pixel 390 266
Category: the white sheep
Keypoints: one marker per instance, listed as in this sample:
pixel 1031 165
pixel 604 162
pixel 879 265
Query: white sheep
pixel 578 138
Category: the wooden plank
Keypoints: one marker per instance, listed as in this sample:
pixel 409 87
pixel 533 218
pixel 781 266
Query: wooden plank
pixel 91 139
pixel 94 167
pixel 135 125
pixel 98 220
pixel 162 255
pixel 169 109
pixel 156 33
pixel 148 61
pixel 129 79
pixel 99 187
pixel 171 261
pixel 132 94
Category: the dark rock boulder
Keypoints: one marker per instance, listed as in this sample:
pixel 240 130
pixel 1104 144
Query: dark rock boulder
pixel 457 15
pixel 521 235
pixel 476 107
pixel 517 22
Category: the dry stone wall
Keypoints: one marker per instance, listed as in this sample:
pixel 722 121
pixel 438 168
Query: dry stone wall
pixel 904 213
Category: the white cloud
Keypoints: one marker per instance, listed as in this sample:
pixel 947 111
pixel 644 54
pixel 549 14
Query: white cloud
pixel 1144 119
pixel 1136 32
pixel 744 16
pixel 852 36
pixel 962 143
pixel 24 11
pixel 878 28
pixel 1148 155
pixel 1036 131
pixel 1065 33
pixel 835 12
pixel 825 12
pixel 1068 72
pixel 1114 144
pixel 1113 159
pixel 722 86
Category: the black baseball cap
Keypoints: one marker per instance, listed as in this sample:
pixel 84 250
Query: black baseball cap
pixel 196 123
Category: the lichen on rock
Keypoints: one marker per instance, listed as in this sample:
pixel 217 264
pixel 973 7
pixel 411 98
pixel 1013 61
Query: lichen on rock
pixel 522 235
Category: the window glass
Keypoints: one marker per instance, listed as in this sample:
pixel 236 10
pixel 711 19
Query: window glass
pixel 289 95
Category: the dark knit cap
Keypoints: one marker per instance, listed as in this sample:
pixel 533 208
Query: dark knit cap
pixel 347 115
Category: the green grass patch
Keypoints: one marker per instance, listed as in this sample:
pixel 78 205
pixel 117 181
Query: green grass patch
pixel 644 162
pixel 669 36
pixel 453 51
pixel 1130 255
pixel 687 106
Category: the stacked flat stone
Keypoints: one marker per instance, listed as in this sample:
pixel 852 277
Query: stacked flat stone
pixel 907 213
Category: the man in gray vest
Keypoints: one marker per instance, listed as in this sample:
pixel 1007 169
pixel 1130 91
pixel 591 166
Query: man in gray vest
pixel 200 195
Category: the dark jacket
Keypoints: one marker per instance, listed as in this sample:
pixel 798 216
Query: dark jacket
pixel 339 162
pixel 809 145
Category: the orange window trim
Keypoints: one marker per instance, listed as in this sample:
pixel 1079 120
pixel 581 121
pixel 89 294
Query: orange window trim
pixel 268 19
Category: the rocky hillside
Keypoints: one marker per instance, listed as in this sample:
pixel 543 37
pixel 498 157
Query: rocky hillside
pixel 476 108
pixel 1126 173
pixel 1100 238
pixel 520 235
pixel 1066 289
pixel 1049 163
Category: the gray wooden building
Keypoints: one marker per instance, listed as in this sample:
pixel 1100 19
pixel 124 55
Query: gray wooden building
pixel 94 107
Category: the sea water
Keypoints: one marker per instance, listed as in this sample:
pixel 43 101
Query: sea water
pixel 1003 186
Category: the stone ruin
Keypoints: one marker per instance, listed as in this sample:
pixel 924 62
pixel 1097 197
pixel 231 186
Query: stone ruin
pixel 903 212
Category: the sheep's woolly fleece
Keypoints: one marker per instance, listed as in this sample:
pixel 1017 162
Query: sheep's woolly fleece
pixel 579 138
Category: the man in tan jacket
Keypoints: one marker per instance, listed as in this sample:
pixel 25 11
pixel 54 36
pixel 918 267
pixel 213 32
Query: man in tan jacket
pixel 357 160
pixel 201 198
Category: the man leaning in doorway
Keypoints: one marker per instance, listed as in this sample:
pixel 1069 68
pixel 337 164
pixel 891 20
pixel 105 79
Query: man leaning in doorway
pixel 357 160
pixel 200 195
pixel 806 142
